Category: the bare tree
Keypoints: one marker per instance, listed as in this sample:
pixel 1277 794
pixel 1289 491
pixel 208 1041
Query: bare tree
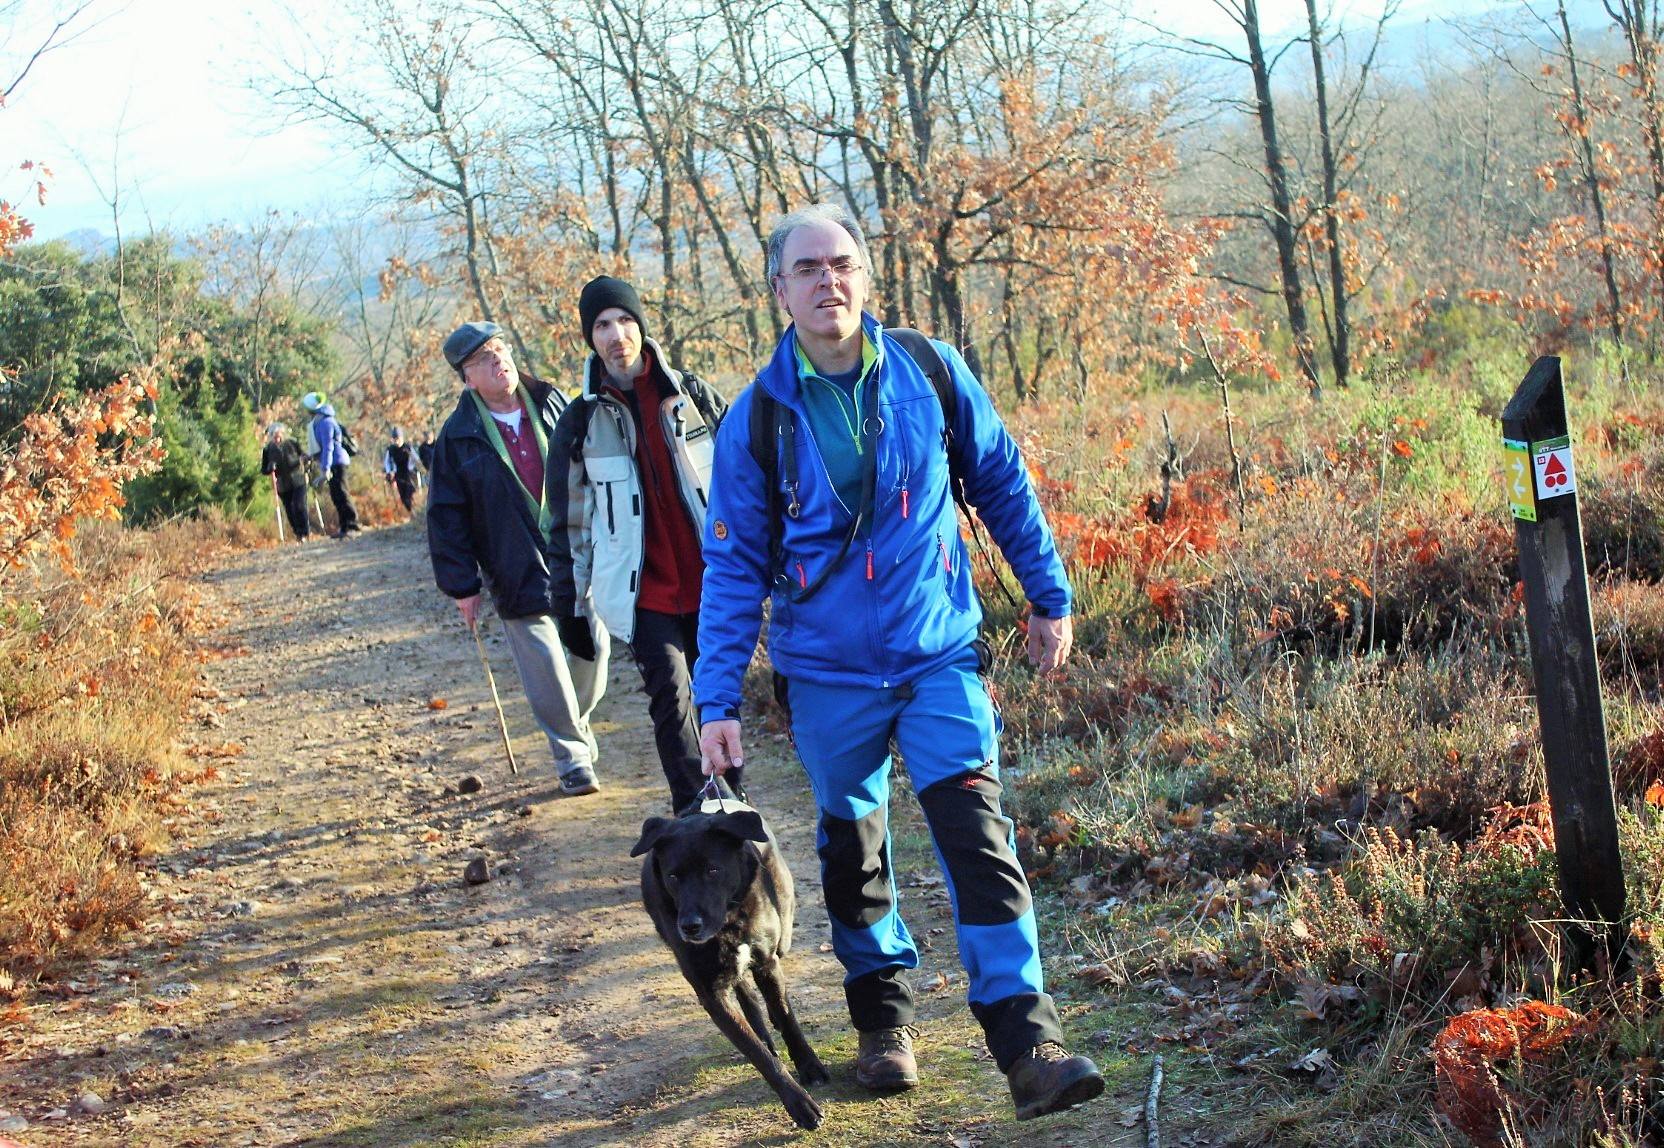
pixel 429 118
pixel 1277 215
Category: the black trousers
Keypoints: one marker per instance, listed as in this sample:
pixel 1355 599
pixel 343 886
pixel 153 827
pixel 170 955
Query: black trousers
pixel 294 509
pixel 407 490
pixel 344 509
pixel 664 647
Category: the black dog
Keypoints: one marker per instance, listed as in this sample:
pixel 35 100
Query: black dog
pixel 722 900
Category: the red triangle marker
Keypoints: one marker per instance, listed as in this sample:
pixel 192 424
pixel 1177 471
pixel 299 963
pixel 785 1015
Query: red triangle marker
pixel 1554 474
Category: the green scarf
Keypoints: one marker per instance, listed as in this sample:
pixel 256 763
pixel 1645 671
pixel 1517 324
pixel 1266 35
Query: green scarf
pixel 538 502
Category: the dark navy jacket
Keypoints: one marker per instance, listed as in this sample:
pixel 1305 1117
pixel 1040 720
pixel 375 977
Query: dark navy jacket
pixel 916 611
pixel 480 529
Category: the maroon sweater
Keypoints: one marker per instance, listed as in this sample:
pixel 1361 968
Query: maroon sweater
pixel 522 450
pixel 672 567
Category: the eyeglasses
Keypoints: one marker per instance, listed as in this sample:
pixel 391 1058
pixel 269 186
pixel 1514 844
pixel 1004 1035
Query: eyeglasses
pixel 840 269
pixel 493 351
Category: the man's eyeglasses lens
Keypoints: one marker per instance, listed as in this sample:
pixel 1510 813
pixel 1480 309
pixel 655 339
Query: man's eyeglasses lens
pixel 812 272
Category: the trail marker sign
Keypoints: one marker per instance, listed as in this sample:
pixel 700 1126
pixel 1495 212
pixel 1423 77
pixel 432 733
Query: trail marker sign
pixel 1517 479
pixel 1552 461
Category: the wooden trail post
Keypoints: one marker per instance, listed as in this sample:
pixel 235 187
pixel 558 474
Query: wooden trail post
pixel 1542 496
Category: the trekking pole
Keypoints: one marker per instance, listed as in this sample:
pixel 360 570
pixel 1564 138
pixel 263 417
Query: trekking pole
pixel 490 680
pixel 277 508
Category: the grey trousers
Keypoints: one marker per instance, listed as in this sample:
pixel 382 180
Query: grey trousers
pixel 562 689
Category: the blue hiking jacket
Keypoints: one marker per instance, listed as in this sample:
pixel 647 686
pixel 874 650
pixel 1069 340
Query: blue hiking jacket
pixel 917 609
pixel 324 435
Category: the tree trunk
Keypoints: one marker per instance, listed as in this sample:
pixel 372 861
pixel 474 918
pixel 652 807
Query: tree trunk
pixel 1282 211
pixel 1340 329
pixel 1591 180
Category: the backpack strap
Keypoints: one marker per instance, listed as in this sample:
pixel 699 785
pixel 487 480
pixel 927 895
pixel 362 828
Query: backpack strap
pixel 770 426
pixel 924 353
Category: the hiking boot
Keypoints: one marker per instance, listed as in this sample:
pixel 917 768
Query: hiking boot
pixel 578 782
pixel 1047 1079
pixel 884 1062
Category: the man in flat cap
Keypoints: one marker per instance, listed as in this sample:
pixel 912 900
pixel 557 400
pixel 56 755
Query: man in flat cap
pixel 489 521
pixel 629 468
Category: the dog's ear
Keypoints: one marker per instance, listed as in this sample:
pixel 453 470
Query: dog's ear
pixel 746 825
pixel 651 830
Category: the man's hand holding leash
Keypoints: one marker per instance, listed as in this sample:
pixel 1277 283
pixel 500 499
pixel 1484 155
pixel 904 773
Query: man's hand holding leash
pixel 719 747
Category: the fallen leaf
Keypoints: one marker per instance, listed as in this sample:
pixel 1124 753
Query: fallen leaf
pixel 437 703
pixel 1316 1061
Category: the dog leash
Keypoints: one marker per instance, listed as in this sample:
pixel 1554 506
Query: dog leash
pixel 713 792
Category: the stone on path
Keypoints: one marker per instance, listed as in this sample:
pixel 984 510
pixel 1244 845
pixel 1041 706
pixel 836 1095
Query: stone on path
pixel 478 872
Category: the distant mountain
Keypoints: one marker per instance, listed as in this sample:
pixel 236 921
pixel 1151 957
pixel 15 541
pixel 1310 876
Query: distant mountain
pixel 88 241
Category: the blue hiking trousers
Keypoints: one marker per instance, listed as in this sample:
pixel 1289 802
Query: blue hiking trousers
pixel 948 734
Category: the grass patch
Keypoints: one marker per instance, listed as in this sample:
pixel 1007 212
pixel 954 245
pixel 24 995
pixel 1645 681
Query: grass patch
pixel 97 672
pixel 1288 797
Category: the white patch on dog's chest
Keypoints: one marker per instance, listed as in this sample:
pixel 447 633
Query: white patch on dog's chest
pixel 742 958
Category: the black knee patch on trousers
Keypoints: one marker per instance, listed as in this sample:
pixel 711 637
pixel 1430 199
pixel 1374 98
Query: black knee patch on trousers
pixel 974 838
pixel 881 999
pixel 1016 1024
pixel 855 869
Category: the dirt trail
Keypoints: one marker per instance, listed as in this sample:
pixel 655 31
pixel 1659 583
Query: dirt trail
pixel 319 974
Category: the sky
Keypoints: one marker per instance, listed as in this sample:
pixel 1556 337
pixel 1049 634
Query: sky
pixel 153 97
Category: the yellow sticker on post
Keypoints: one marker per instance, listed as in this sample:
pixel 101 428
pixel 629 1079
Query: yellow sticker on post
pixel 1517 479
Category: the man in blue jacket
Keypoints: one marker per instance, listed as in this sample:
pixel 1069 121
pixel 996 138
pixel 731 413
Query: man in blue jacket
pixel 488 525
pixel 873 636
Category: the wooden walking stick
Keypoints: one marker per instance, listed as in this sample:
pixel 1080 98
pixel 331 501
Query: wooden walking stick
pixel 502 722
pixel 277 508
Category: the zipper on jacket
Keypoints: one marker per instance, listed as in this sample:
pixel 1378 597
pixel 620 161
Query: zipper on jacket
pixel 682 479
pixel 869 559
pixel 941 549
pixel 612 527
pixel 802 578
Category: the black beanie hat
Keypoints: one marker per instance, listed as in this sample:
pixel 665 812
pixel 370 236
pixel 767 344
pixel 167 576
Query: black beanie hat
pixel 602 292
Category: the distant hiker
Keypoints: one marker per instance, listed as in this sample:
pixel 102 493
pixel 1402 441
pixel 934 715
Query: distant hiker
pixel 629 467
pixel 325 445
pixel 283 460
pixel 489 521
pixel 873 636
pixel 424 452
pixel 398 463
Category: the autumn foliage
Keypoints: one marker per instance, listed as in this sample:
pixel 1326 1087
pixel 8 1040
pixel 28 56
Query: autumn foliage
pixel 1470 1093
pixel 68 464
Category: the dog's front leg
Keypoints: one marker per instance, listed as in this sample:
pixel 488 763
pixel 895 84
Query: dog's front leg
pixel 809 1068
pixel 753 1009
pixel 723 1007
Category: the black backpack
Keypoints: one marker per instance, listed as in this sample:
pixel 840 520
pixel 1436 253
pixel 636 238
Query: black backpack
pixel 774 432
pixel 348 443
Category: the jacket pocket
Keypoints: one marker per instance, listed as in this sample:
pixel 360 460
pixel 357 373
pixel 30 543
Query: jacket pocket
pixel 610 475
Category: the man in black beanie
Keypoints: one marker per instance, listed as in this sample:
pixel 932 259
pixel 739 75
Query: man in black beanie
pixel 629 473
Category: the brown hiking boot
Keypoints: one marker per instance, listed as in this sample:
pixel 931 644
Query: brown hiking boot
pixel 1047 1079
pixel 884 1062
